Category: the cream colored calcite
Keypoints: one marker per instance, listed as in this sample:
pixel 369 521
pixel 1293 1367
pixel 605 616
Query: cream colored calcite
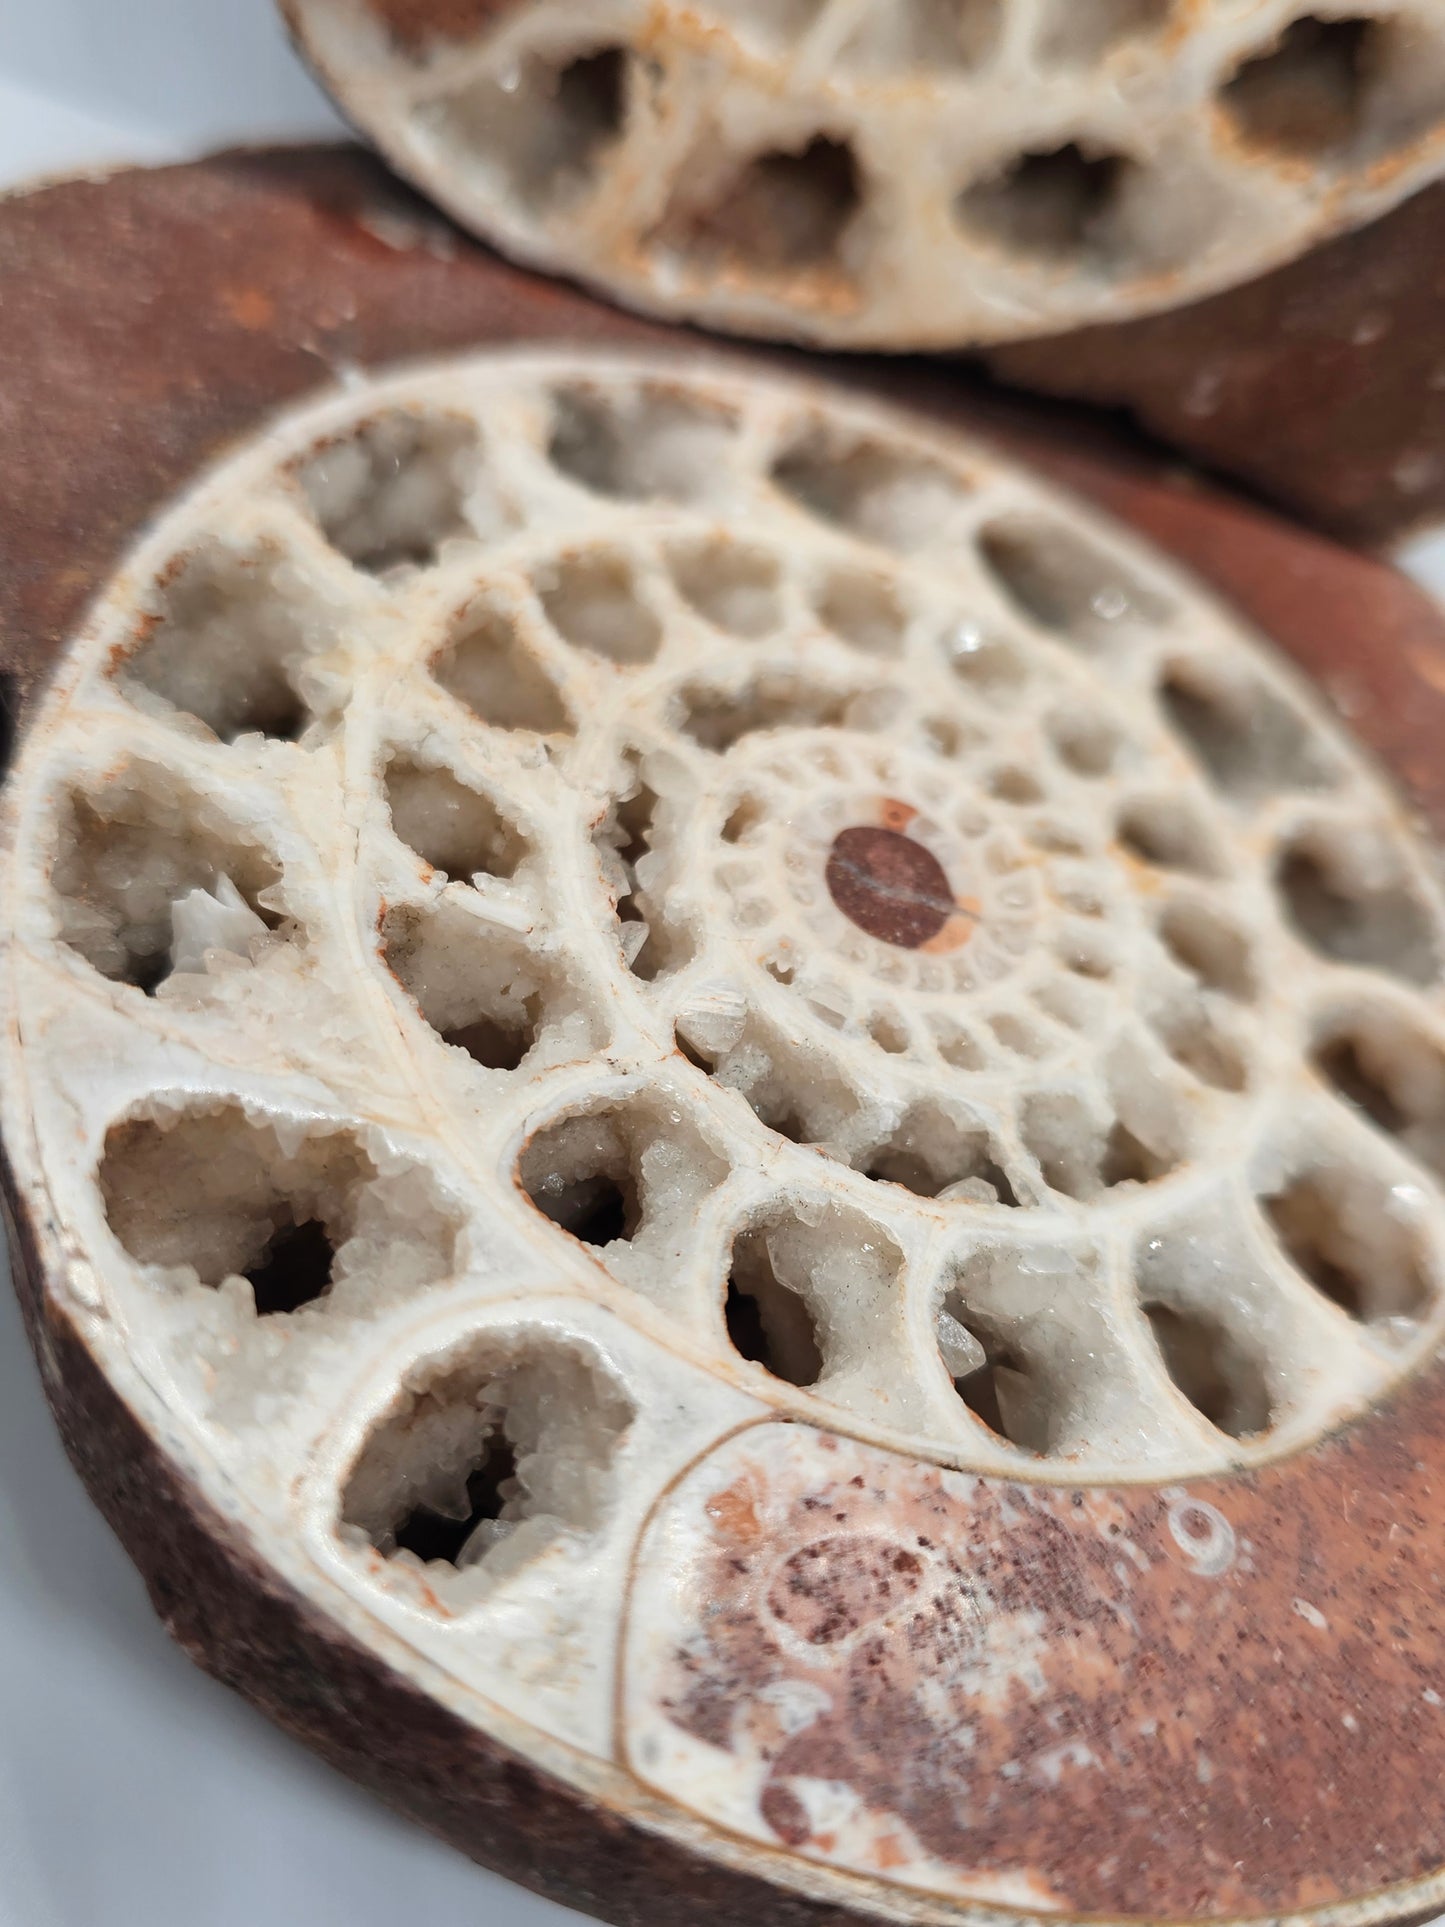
pixel 425 849
pixel 902 173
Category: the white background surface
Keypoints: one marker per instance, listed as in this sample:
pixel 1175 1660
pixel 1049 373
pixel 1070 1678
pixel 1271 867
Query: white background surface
pixel 133 1791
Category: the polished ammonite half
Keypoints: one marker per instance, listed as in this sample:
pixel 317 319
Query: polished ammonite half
pixel 749 1093
pixel 897 173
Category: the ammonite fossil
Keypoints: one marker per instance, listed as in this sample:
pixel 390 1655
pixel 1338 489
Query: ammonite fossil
pixel 725 1130
pixel 896 173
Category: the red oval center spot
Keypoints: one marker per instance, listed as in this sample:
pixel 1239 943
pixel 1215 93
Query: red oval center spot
pixel 888 885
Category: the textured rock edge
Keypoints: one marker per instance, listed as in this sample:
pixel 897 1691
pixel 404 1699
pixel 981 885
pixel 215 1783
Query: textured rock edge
pixel 1318 384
